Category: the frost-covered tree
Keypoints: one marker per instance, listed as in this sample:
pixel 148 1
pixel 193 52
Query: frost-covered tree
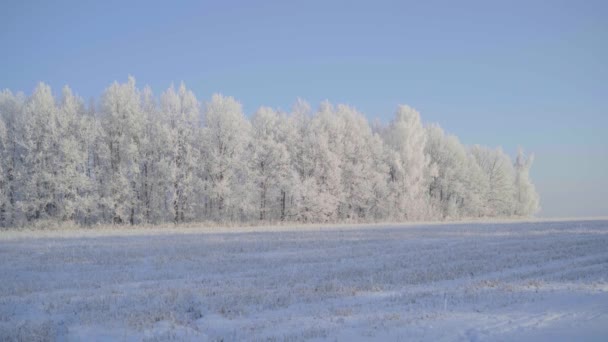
pixel 315 190
pixel 499 176
pixel 299 142
pixel 11 156
pixel 73 184
pixel 409 165
pixel 526 197
pixel 325 142
pixel 270 169
pixel 123 123
pixel 477 189
pixel 290 180
pixel 459 186
pixel 363 173
pixel 41 139
pixel 4 203
pixel 97 202
pixel 225 137
pixel 181 112
pixel 449 185
pixel 156 168
pixel 295 132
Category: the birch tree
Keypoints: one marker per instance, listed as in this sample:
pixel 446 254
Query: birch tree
pixel 527 200
pixel 181 110
pixel 499 174
pixel 156 168
pixel 123 126
pixel 226 136
pixel 363 178
pixel 74 184
pixel 459 186
pixel 13 150
pixel 4 202
pixel 40 138
pixel 269 164
pixel 410 166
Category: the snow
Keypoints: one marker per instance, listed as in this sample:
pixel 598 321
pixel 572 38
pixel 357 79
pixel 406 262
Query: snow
pixel 524 281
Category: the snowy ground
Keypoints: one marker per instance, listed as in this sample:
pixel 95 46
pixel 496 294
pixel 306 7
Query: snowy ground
pixel 509 281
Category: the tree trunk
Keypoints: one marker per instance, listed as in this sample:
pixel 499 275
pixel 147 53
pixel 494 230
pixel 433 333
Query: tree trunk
pixel 263 202
pixel 283 205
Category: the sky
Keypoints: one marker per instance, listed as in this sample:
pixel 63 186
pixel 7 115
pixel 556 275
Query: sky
pixel 498 73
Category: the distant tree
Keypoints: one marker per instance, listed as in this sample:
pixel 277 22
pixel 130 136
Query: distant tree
pixel 326 145
pixel 41 164
pixel 73 184
pixel 449 185
pixel 123 123
pixel 270 169
pixel 157 168
pixel 409 165
pixel 4 202
pixel 226 134
pixel 459 186
pixel 11 155
pixel 289 181
pixel 363 174
pixel 526 197
pixel 181 110
pixel 499 177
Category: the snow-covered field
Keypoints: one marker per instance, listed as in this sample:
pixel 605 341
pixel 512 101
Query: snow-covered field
pixel 472 281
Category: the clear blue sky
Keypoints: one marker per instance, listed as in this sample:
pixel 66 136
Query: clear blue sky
pixel 497 73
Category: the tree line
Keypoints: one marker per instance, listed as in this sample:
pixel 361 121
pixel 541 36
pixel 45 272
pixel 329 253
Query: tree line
pixel 135 158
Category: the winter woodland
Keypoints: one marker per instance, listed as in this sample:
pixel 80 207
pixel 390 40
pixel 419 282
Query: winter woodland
pixel 134 158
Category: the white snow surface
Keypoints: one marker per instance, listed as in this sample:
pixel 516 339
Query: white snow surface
pixel 525 281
